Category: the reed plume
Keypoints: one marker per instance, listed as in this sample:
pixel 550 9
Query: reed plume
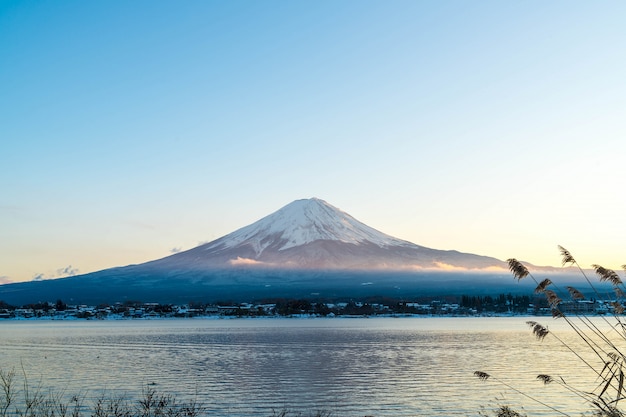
pixel 566 256
pixel 483 376
pixel 518 269
pixel 542 286
pixel 611 374
pixel 575 294
pixel 546 379
pixel 539 331
pixel 607 275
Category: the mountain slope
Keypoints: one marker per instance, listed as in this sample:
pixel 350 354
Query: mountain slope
pixel 312 234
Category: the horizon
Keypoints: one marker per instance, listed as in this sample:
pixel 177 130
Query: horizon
pixel 137 130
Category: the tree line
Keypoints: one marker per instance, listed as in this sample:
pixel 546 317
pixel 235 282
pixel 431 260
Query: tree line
pixel 449 305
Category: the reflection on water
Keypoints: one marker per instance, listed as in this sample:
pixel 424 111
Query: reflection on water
pixel 350 367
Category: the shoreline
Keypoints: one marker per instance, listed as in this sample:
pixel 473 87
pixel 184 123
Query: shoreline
pixel 275 317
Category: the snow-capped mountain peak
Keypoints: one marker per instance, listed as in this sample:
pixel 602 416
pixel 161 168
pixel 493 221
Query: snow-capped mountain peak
pixel 302 222
pixel 312 234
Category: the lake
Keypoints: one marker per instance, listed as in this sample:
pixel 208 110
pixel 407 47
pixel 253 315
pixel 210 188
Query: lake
pixel 346 366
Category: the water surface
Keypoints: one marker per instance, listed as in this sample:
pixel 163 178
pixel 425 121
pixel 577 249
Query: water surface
pixel 348 366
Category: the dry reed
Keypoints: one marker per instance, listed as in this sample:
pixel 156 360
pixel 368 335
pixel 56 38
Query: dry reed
pixel 609 369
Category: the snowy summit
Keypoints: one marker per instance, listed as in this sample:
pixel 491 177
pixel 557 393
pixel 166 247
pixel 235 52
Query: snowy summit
pixel 302 222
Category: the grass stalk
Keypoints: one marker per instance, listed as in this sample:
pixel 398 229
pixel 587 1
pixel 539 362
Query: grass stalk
pixel 611 374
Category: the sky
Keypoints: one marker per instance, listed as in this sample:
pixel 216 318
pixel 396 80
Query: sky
pixel 130 130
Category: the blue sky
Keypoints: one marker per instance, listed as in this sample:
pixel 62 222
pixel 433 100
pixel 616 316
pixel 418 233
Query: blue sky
pixel 131 129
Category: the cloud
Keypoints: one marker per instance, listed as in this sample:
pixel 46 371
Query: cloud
pixel 495 269
pixel 5 279
pixel 10 209
pixel 448 267
pixel 176 250
pixel 444 267
pixel 245 261
pixel 68 271
pixel 39 277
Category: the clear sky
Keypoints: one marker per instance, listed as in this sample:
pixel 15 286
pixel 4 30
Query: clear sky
pixel 132 129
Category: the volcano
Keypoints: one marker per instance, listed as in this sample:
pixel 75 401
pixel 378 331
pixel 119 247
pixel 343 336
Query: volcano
pixel 307 248
pixel 312 234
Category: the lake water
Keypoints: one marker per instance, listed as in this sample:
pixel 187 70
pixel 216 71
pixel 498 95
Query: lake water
pixel 347 366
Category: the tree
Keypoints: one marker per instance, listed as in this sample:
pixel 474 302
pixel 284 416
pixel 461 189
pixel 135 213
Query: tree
pixel 60 305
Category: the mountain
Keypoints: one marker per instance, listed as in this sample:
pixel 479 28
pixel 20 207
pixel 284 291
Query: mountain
pixel 312 234
pixel 306 249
